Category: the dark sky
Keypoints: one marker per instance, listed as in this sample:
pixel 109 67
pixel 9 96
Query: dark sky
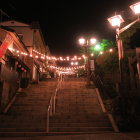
pixel 63 22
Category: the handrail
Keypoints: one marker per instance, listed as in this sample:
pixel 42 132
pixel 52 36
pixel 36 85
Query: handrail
pixel 48 117
pixel 52 104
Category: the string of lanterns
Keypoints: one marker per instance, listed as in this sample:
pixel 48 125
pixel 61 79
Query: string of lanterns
pixel 39 55
pixel 66 69
pixel 20 67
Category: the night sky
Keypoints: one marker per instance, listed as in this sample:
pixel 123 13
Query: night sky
pixel 62 23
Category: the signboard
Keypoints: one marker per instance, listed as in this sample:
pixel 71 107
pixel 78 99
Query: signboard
pixel 7 41
pixel 120 48
pixel 92 65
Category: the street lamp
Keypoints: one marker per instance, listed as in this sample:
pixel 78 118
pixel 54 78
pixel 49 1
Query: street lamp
pixel 87 43
pixel 116 21
pixel 136 8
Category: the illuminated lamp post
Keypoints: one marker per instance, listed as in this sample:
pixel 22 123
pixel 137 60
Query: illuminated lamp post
pixel 116 21
pixel 136 8
pixel 87 43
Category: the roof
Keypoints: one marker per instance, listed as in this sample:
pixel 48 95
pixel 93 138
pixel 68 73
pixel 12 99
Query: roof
pixel 11 23
pixel 15 35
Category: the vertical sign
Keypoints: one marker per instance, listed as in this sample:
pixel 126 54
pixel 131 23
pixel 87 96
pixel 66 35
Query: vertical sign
pixel 7 41
pixel 120 48
pixel 92 65
pixel 138 60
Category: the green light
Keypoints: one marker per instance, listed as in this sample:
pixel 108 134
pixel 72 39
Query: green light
pixel 97 47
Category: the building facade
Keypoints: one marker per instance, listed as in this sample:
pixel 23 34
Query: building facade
pixel 13 68
pixel 22 58
pixel 32 37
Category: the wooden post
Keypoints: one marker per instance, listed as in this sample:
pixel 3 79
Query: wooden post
pixel 138 65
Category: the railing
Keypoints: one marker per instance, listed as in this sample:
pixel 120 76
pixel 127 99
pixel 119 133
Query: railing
pixel 104 88
pixel 52 104
pixel 102 94
pixel 99 83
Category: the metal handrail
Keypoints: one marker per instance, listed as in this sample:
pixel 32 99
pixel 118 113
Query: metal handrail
pixel 52 104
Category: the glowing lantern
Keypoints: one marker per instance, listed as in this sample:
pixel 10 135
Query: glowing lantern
pixel 136 8
pixel 116 20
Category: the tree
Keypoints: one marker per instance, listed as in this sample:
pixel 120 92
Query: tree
pixel 103 45
pixel 108 62
pixel 127 35
pixel 106 44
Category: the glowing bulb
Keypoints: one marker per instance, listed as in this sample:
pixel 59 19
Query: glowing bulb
pixel 101 53
pixel 92 41
pixel 68 58
pixel 136 8
pixel 72 63
pixel 82 41
pixel 116 20
pixel 110 50
pixel 83 56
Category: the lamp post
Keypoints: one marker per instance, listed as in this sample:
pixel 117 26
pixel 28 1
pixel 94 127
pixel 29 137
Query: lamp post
pixel 87 43
pixel 116 21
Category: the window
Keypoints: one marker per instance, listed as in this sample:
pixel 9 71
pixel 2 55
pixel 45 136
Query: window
pixel 20 36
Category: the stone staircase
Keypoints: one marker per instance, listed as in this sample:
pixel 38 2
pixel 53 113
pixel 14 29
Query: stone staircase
pixel 78 111
pixel 28 115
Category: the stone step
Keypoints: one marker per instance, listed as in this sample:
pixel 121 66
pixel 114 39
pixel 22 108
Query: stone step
pixel 91 124
pixel 23 119
pixel 73 116
pixel 80 129
pixel 29 120
pixel 75 133
pixel 75 121
pixel 26 112
pixel 22 134
pixel 19 125
pixel 28 108
pixel 23 129
pixel 80 117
